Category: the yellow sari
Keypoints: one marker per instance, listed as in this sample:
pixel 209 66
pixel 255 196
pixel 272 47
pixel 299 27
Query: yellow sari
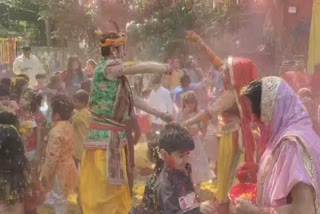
pixel 229 159
pixel 314 41
pixel 102 197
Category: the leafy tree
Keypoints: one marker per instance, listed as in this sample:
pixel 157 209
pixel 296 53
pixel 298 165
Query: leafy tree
pixel 68 20
pixel 160 25
pixel 18 17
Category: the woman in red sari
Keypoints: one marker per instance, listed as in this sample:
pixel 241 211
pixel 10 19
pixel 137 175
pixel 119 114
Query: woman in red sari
pixel 236 73
pixel 235 127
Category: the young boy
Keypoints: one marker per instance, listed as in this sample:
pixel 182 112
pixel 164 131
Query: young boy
pixel 59 172
pixel 176 192
pixel 41 81
pixel 80 122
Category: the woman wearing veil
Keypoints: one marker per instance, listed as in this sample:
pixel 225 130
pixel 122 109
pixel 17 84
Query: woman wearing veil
pixel 235 127
pixel 289 173
pixel 104 184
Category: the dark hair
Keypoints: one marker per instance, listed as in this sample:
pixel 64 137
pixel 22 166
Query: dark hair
pixel 105 51
pixel 175 138
pixel 82 96
pixel 34 98
pixel 4 91
pixel 14 167
pixel 41 76
pixel 18 86
pixel 156 79
pixel 92 62
pixel 185 79
pixel 53 81
pixel 70 74
pixel 8 118
pixel 62 105
pixel 26 48
pixel 86 85
pixel 6 82
pixel 24 76
pixel 253 92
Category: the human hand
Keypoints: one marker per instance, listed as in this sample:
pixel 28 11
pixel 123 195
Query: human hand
pixel 207 207
pixel 194 37
pixel 169 69
pixel 185 123
pixel 166 117
pixel 244 206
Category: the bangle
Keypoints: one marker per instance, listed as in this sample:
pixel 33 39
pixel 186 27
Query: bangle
pixel 168 69
pixel 273 210
pixel 203 116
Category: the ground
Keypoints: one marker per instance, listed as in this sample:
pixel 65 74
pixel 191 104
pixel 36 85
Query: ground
pixel 207 192
pixel 142 165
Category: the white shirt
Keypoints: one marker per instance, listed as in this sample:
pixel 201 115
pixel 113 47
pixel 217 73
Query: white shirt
pixel 161 100
pixel 29 66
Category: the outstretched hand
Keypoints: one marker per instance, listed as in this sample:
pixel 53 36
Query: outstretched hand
pixel 244 206
pixel 207 207
pixel 166 117
pixel 194 37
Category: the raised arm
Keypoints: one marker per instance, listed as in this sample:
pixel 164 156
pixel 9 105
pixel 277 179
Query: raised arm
pixel 224 102
pixel 147 67
pixel 118 69
pixel 145 106
pixel 214 59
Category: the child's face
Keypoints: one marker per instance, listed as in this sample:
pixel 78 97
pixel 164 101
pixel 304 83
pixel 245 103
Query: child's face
pixel 90 67
pixel 77 104
pixel 42 82
pixel 191 107
pixel 177 160
pixel 75 65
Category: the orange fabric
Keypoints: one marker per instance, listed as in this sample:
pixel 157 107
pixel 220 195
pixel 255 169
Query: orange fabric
pixel 244 72
pixel 59 158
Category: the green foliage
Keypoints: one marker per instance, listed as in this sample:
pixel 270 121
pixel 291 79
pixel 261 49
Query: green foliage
pixel 68 19
pixel 17 17
pixel 160 27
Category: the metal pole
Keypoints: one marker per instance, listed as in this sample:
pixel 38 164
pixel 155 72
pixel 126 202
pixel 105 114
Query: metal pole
pixel 48 32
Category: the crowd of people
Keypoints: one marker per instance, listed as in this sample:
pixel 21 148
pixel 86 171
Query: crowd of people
pixel 74 132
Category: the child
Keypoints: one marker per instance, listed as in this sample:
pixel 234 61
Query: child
pixel 59 172
pixel 80 122
pixel 176 192
pixel 41 81
pixel 9 118
pixel 54 87
pixel 32 124
pixel 6 82
pixel 86 85
pixel 18 86
pixel 14 168
pixel 6 104
pixel 198 158
pixel 89 69
pixel 32 119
